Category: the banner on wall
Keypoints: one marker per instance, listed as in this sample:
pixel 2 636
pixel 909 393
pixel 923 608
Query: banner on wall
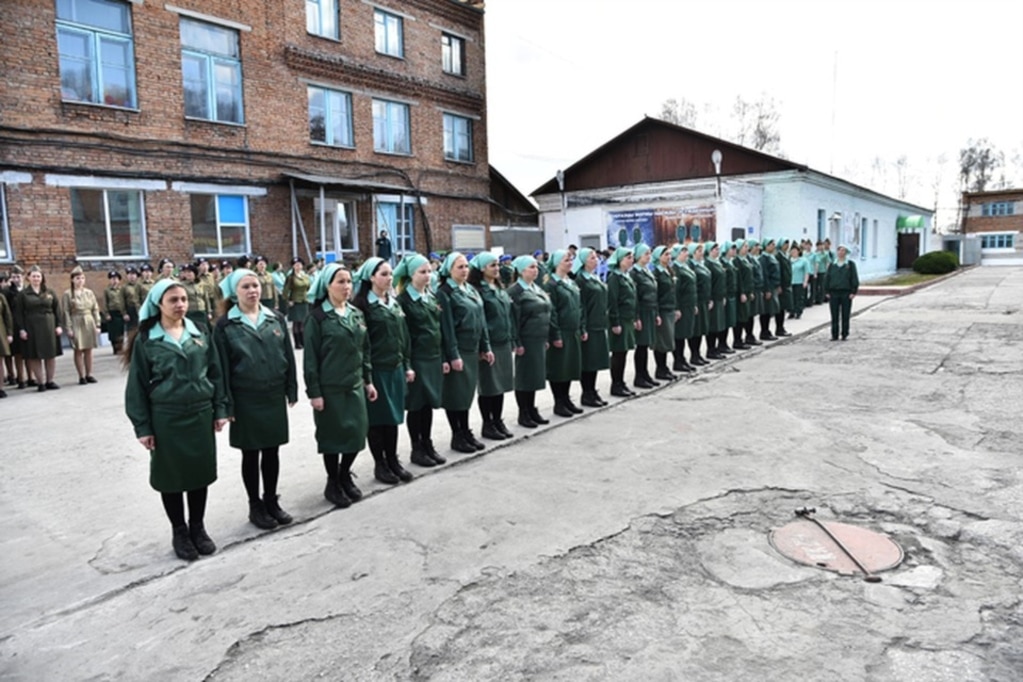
pixel 656 226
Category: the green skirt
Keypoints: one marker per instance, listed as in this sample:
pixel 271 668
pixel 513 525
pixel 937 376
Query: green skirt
pixel 498 378
pixel 664 335
pixel 771 306
pixel 685 328
pixel 341 426
pixel 595 351
pixel 260 419
pixel 531 366
pixel 460 387
pixel 565 363
pixel 716 318
pixel 426 389
pixel 297 312
pixel 185 457
pixel 787 303
pixel 115 325
pixel 624 342
pixel 389 407
pixel 731 313
pixel 645 336
pixel 702 327
pixel 742 309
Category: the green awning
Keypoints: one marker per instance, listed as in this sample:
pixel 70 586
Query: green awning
pixel 910 222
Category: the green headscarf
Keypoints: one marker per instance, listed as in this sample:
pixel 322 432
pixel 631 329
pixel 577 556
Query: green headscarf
pixel 556 259
pixel 580 259
pixel 319 288
pixel 445 268
pixel 229 285
pixel 658 252
pixel 692 248
pixel 482 260
pixel 639 250
pixel 367 269
pixel 677 249
pixel 616 257
pixel 753 243
pixel 739 243
pixel 151 306
pixel 408 265
pixel 523 262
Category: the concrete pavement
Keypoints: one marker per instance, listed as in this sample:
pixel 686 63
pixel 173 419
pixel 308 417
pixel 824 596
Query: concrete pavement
pixel 627 543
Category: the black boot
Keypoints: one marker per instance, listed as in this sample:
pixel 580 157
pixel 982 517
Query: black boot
pixel 526 419
pixel 396 468
pixel 273 508
pixel 432 451
pixel 348 487
pixel 664 374
pixel 259 517
pixel 561 409
pixel 336 495
pixel 572 406
pixel 459 443
pixel 421 457
pixel 503 428
pixel 200 539
pixel 535 414
pixel 491 431
pixel 620 390
pixel 591 400
pixel 381 471
pixel 183 545
pixel 474 441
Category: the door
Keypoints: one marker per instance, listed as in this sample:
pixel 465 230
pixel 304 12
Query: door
pixel 909 249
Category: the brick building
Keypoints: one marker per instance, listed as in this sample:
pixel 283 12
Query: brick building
pixel 996 219
pixel 131 130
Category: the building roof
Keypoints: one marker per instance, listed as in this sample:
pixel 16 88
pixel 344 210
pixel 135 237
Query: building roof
pixel 994 193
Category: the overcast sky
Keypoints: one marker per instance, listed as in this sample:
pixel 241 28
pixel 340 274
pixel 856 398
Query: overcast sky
pixel 913 78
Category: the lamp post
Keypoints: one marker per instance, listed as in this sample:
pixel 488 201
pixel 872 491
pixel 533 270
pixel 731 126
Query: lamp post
pixel 715 157
pixel 560 175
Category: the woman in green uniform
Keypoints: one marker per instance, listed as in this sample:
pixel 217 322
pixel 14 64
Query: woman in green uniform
pixel 260 378
pixel 37 319
pixel 621 315
pixel 466 341
pixel 389 351
pixel 80 312
pixel 667 313
pixel 296 298
pixel 744 299
pixel 841 283
pixel 269 296
pixel 687 306
pixel 786 302
pixel 176 399
pixel 594 347
pixel 771 301
pixel 646 312
pixel 113 297
pixel 800 280
pixel 422 317
pixel 756 307
pixel 531 328
pixel 497 379
pixel 704 303
pixel 338 380
pixel 718 300
pixel 731 298
pixel 568 328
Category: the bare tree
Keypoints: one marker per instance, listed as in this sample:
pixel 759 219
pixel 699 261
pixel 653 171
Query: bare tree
pixel 681 112
pixel 879 174
pixel 902 175
pixel 766 137
pixel 978 162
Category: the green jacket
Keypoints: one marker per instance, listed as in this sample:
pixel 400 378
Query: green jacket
pixel 718 280
pixel 422 317
pixel 842 278
pixel 497 309
pixel 593 300
pixel 685 287
pixel 256 360
pixel 703 281
pixel 337 352
pixel 621 299
pixel 772 271
pixel 388 335
pixel 731 278
pixel 531 314
pixel 785 272
pixel 743 275
pixel 463 323
pixel 567 314
pixel 646 288
pixel 666 304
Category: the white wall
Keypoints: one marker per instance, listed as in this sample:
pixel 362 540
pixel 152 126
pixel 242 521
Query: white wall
pixel 742 206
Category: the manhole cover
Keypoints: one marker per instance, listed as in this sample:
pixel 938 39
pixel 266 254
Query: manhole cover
pixel 829 544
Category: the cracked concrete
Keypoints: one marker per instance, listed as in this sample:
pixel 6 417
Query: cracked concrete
pixel 630 543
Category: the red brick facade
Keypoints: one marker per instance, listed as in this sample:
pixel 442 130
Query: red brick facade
pixel 996 212
pixel 44 136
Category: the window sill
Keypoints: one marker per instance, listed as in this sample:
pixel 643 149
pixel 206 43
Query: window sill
pixel 192 119
pixel 383 152
pixel 455 74
pixel 93 259
pixel 399 57
pixel 460 162
pixel 323 37
pixel 100 105
pixel 327 145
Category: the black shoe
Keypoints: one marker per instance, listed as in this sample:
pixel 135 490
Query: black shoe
pixel 51 386
pixel 698 361
pixel 603 403
pixel 740 346
pixel 834 338
pixel 650 380
pixel 31 383
pixel 460 444
pixel 22 384
pixel 782 332
pixel 348 487
pixel 397 469
pixel 791 316
pixel 726 350
pixel 714 355
pixel 183 545
pixel 474 441
pixel 572 406
pixel 273 508
pixel 499 423
pixel 421 457
pixel 383 473
pixel 561 409
pixel 41 389
pixel 845 338
pixel 3 393
pixel 432 452
pixel 768 336
pixel 89 379
pixel 535 414
pixel 335 495
pixel 491 431
pixel 621 390
pixel 201 540
pixel 526 419
pixel 591 400
pixel 643 383
pixel 664 374
pixel 752 341
pixel 81 381
pixel 259 517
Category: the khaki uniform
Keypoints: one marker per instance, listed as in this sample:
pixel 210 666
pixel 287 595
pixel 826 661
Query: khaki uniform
pixel 80 314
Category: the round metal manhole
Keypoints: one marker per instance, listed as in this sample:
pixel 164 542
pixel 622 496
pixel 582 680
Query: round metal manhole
pixel 835 546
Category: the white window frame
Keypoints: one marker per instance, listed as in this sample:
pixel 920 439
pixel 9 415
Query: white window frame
pixel 96 36
pixel 387 145
pixel 448 54
pixel 997 209
pixel 403 234
pixel 874 243
pixel 383 25
pixel 328 118
pixel 210 60
pixel 454 135
pixel 5 231
pixel 1014 236
pixel 247 246
pixel 316 11
pixel 106 216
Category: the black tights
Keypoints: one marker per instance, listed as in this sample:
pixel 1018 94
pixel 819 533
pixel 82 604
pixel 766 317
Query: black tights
pixel 298 331
pixel 271 467
pixel 335 463
pixel 589 382
pixel 526 400
pixel 174 505
pixel 639 361
pixel 765 321
pixel 680 352
pixel 458 420
pixel 420 424
pixel 560 391
pixel 491 407
pixel 749 327
pixel 694 347
pixel 661 361
pixel 383 440
pixel 618 367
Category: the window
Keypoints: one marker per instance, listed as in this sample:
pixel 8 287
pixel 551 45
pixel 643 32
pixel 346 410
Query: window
pixel 330 117
pixel 457 138
pixel 863 237
pixel 220 224
pixel 5 231
pixel 321 18
pixel 874 240
pixel 452 50
pixel 339 231
pixel 469 238
pixel 212 72
pixel 389 38
pixel 399 225
pixel 391 132
pixel 97 62
pixel 997 241
pixel 999 208
pixel 108 223
pixel 821 224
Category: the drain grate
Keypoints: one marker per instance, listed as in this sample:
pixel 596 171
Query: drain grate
pixel 836 546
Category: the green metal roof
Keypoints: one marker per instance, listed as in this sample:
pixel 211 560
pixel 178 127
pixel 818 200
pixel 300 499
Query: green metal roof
pixel 910 222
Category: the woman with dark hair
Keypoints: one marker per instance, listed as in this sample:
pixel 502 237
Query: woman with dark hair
pixel 744 294
pixel 646 313
pixel 80 312
pixel 568 329
pixel 531 328
pixel 260 378
pixel 667 313
pixel 296 298
pixel 496 379
pixel 200 306
pixel 841 283
pixel 771 301
pixel 389 352
pixel 165 268
pixel 36 317
pixel 727 261
pixel 466 340
pixel 621 315
pixel 422 317
pixel 718 300
pixel 756 308
pixel 594 348
pixel 704 303
pixel 800 280
pixel 338 380
pixel 113 298
pixel 687 306
pixel 269 296
pixel 168 357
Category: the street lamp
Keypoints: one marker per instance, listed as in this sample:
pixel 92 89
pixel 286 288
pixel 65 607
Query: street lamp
pixel 715 157
pixel 560 175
